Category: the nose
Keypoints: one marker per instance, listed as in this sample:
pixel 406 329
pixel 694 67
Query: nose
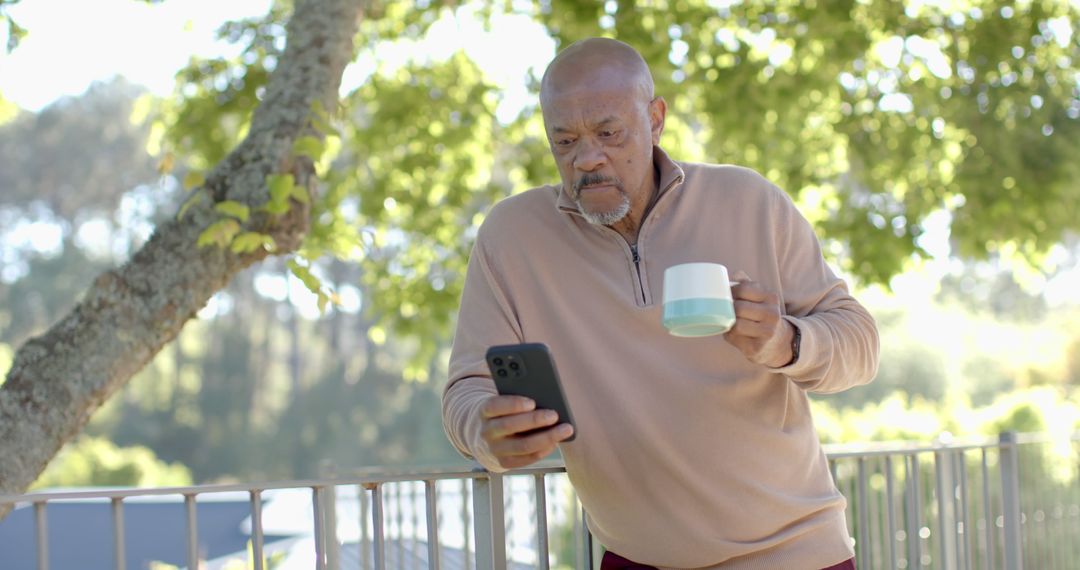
pixel 590 155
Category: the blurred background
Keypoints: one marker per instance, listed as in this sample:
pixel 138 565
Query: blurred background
pixel 934 145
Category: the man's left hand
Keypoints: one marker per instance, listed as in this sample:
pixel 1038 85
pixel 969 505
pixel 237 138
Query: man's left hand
pixel 760 332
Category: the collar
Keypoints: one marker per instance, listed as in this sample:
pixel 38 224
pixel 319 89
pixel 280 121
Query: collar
pixel 671 176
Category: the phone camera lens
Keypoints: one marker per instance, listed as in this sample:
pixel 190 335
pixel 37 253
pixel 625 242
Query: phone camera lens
pixel 514 366
pixel 502 373
pixel 498 361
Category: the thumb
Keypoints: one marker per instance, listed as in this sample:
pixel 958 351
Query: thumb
pixel 741 276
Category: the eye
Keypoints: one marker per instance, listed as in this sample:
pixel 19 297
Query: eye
pixel 564 142
pixel 609 133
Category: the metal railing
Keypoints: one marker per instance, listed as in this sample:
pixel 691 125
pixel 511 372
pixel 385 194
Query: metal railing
pixel 1005 503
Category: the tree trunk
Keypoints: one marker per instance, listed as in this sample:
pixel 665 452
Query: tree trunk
pixel 60 378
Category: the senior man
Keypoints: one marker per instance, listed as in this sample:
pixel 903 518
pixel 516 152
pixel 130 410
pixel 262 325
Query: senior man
pixel 689 452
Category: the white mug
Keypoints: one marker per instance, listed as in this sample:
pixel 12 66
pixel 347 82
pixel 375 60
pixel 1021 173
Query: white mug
pixel 697 300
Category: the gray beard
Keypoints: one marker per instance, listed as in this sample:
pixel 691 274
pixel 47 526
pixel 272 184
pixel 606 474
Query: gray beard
pixel 608 218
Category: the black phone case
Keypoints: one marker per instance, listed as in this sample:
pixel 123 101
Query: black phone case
pixel 534 376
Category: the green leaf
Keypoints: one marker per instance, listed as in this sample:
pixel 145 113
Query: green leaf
pixel 320 118
pixel 248 242
pixel 234 209
pixel 277 208
pixel 219 233
pixel 194 199
pixel 324 296
pixel 194 179
pixel 310 147
pixel 299 193
pixel 281 186
pixel 304 274
pixel 15 34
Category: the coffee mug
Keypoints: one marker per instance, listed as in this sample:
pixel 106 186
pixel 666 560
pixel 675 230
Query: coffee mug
pixel 697 300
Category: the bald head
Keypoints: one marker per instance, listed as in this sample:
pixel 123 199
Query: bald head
pixel 597 61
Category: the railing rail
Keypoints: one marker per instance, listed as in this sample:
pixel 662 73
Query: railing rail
pixel 975 504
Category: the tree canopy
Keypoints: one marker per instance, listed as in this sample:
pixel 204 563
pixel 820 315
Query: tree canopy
pixel 873 115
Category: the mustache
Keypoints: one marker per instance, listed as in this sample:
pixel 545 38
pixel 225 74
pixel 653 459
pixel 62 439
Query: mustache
pixel 594 180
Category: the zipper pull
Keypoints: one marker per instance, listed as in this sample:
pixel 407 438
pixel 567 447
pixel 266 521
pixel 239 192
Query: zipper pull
pixel 633 250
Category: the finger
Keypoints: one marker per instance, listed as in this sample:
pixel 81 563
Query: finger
pixel 542 442
pixel 757 312
pixel 511 425
pixel 519 461
pixel 746 329
pixel 753 291
pixel 740 276
pixel 497 406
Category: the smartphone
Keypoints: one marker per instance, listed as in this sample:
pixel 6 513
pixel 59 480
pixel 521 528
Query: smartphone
pixel 528 370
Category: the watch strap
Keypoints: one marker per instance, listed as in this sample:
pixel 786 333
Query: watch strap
pixel 796 342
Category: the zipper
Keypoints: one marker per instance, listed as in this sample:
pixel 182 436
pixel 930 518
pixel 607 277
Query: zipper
pixel 634 247
pixel 637 266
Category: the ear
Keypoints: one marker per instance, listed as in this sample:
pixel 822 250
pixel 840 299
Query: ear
pixel 657 112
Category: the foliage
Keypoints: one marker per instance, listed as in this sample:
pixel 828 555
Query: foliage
pixel 50 287
pixel 8 110
pixel 256 388
pixel 420 157
pixel 15 32
pixel 7 354
pixel 261 392
pixel 901 417
pixel 976 344
pixel 874 115
pixel 77 156
pixel 883 112
pixel 98 462
pixel 1047 472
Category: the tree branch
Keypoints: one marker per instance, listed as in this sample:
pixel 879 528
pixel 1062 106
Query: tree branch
pixel 60 378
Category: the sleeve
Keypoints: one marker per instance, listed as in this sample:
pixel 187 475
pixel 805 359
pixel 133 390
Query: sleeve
pixel 840 345
pixel 486 318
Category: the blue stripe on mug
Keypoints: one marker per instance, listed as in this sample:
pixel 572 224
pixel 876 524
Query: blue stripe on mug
pixel 698 316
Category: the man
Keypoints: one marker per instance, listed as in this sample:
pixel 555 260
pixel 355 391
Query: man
pixel 689 453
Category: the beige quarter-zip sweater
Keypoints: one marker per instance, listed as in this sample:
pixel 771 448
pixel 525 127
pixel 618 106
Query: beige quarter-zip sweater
pixel 687 455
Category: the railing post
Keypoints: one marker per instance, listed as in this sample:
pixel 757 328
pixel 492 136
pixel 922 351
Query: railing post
pixel 891 510
pixel 365 521
pixel 431 503
pixel 864 545
pixel 489 526
pixel 257 557
pixel 913 507
pixel 946 497
pixel 466 523
pixel 333 548
pixel 377 518
pixel 119 549
pixel 1010 499
pixel 540 500
pixel 42 536
pixel 319 529
pixel 192 531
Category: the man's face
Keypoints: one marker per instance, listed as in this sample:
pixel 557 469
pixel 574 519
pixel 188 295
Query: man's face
pixel 601 131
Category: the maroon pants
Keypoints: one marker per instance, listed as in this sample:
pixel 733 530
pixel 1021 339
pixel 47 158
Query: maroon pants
pixel 613 561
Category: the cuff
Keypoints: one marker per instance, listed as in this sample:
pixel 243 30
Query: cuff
pixel 803 370
pixel 462 421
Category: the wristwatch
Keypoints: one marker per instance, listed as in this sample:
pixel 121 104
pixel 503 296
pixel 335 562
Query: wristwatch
pixel 796 341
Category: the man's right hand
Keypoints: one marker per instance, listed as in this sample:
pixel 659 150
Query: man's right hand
pixel 503 421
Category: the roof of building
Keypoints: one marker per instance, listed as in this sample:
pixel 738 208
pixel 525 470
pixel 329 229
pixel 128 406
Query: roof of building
pixel 81 533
